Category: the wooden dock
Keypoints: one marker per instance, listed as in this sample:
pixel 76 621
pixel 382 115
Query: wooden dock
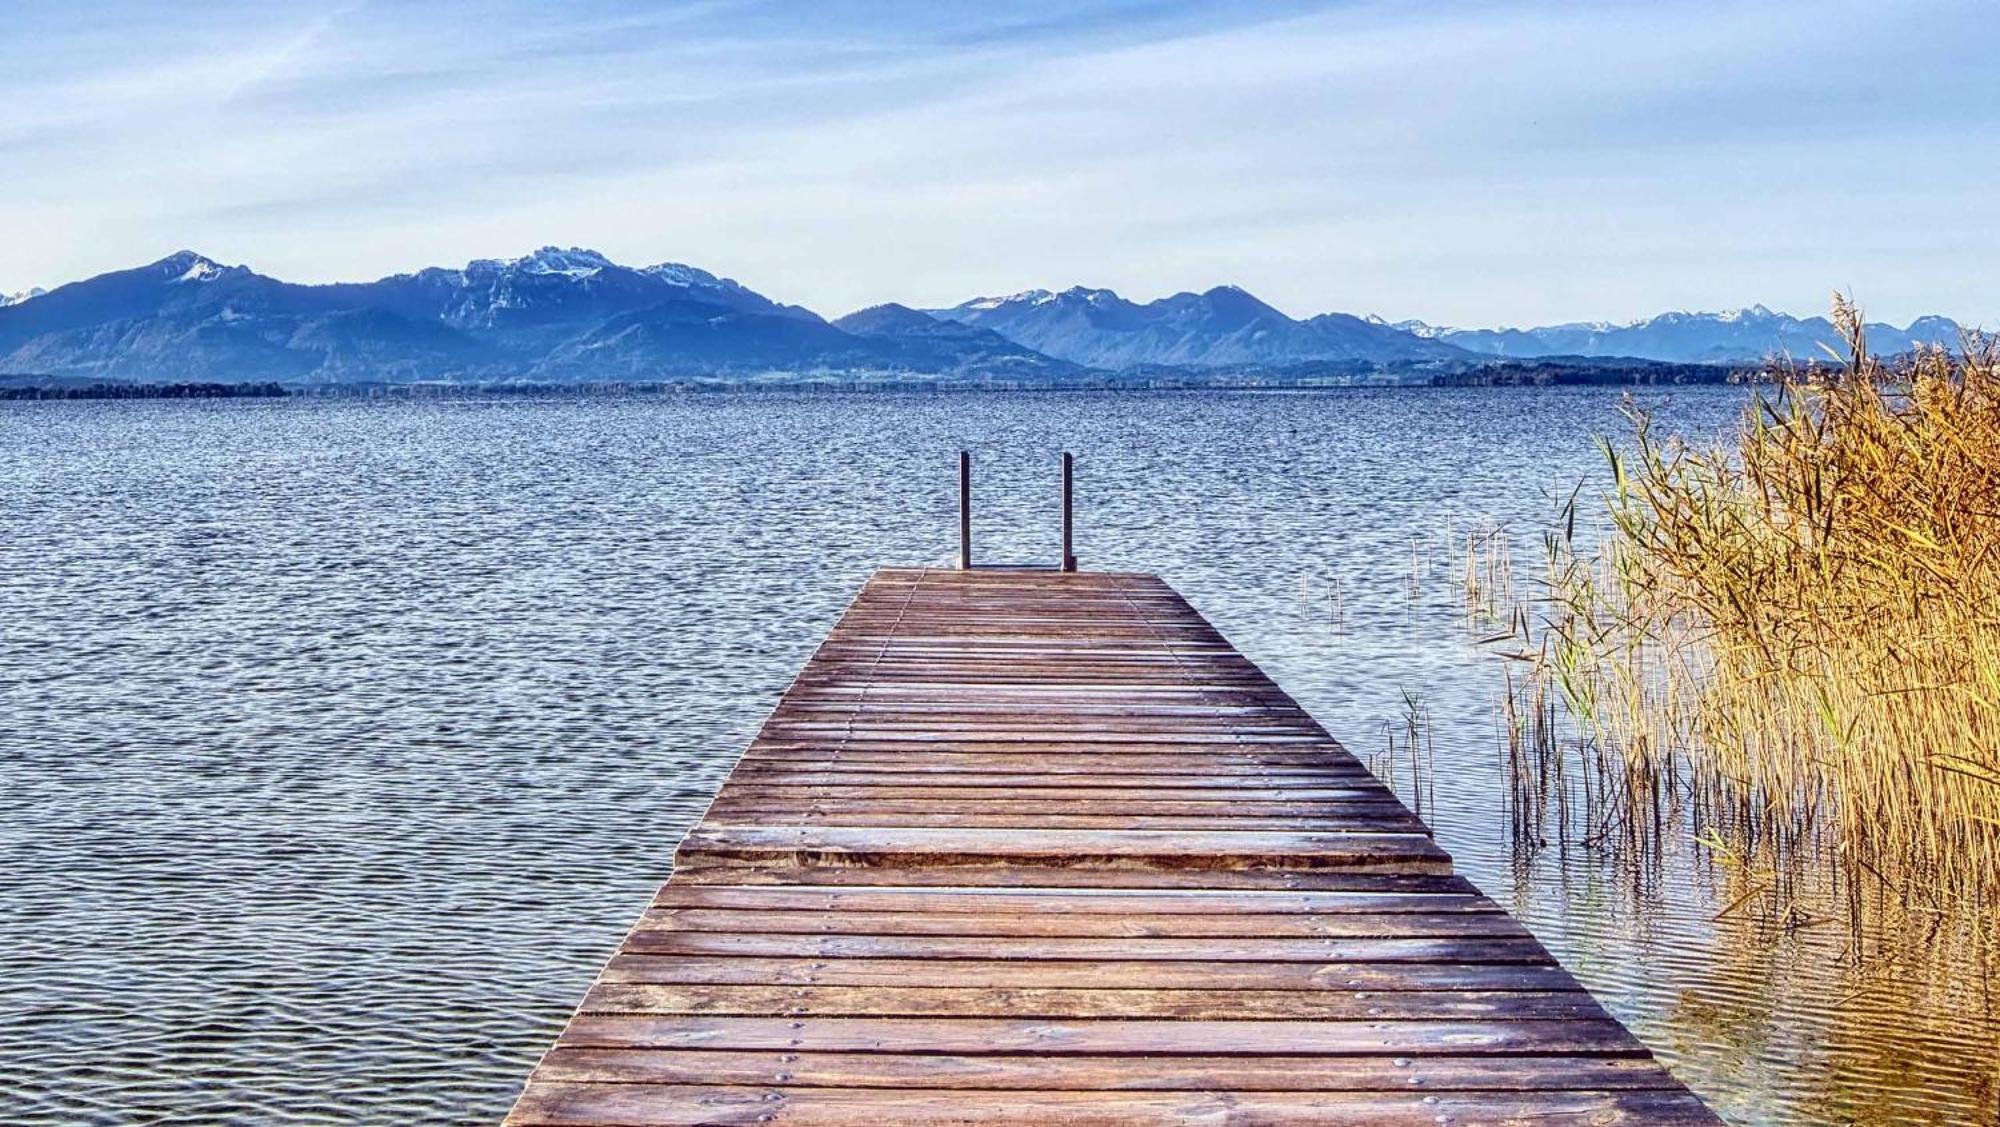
pixel 1034 847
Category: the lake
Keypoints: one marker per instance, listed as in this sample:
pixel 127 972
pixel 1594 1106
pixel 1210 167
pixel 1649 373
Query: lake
pixel 341 740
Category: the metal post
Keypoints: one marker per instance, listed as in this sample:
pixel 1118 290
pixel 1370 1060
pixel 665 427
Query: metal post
pixel 1068 474
pixel 965 510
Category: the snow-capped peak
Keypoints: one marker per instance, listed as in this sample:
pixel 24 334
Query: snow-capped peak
pixel 1030 297
pixel 575 262
pixel 187 266
pixel 1751 313
pixel 1414 327
pixel 1084 293
pixel 18 298
pixel 681 274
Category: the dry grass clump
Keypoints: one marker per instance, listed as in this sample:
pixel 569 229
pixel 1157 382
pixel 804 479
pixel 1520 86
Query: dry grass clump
pixel 1806 621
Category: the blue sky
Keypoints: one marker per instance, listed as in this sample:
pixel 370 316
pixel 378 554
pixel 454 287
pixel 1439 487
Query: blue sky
pixel 1465 163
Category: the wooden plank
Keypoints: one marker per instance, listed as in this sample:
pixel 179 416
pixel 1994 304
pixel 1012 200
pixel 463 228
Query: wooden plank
pixel 1006 1035
pixel 940 788
pixel 1012 1073
pixel 1068 761
pixel 818 777
pixel 699 870
pixel 1145 925
pixel 1288 950
pixel 810 815
pixel 1119 901
pixel 934 847
pixel 1317 812
pixel 635 967
pixel 627 1105
pixel 1035 848
pixel 1140 1002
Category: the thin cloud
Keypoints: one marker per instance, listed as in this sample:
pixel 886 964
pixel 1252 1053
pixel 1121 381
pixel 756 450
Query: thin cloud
pixel 1463 162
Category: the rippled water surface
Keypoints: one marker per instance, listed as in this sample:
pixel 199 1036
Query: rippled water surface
pixel 340 741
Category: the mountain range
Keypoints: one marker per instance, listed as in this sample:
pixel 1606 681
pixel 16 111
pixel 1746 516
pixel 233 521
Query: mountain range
pixel 574 315
pixel 554 315
pixel 1223 326
pixel 1693 338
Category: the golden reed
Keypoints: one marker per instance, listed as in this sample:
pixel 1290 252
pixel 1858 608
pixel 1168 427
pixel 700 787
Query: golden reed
pixel 1795 632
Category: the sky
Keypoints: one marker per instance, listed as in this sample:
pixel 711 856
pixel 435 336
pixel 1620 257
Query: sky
pixel 1463 163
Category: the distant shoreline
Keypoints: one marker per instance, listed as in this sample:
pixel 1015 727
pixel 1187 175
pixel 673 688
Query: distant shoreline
pixel 1537 373
pixel 106 389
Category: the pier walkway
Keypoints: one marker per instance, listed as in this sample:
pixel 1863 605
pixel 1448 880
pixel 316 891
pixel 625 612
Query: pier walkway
pixel 1034 847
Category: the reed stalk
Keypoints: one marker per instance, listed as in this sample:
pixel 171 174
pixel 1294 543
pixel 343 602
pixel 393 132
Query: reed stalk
pixel 1795 633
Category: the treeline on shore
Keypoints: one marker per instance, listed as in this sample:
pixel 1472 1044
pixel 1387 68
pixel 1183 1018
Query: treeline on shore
pixel 1575 374
pixel 1566 371
pixel 105 390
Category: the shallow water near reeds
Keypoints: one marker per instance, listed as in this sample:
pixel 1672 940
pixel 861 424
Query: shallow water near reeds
pixel 341 740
